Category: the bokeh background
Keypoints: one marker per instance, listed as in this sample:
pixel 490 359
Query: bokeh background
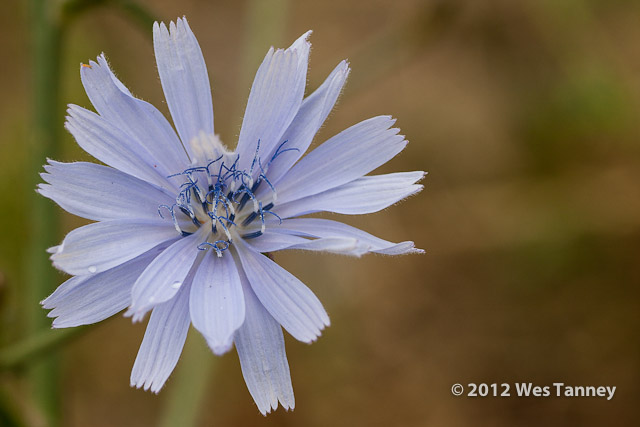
pixel 524 113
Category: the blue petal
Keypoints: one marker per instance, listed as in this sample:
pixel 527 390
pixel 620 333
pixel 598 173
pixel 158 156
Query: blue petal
pixel 271 242
pixel 110 145
pixel 336 245
pixel 325 228
pixel 216 302
pixel 351 154
pixel 164 277
pixel 313 112
pixel 83 300
pixel 263 360
pixel 274 101
pixel 184 79
pixel 145 126
pixel 285 297
pixel 103 245
pixel 101 193
pixel 364 195
pixel 162 343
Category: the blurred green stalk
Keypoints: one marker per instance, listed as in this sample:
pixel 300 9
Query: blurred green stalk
pixel 10 415
pixel 43 220
pixel 264 26
pixel 187 391
pixel 137 13
pixel 36 346
pixel 47 19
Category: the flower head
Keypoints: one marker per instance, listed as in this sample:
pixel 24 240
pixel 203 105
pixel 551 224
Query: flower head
pixel 183 223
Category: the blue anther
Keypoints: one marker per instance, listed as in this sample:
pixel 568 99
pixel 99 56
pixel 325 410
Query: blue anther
pixel 243 201
pixel 256 185
pixel 249 219
pixel 185 210
pixel 252 235
pixel 248 195
pixel 188 211
pixel 229 185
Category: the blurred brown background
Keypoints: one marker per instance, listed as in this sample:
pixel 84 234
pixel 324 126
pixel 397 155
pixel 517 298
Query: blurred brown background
pixel 524 113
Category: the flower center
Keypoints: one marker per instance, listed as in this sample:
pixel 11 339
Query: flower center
pixel 215 193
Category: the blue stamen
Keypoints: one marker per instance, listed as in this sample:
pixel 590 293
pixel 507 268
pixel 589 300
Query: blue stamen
pixel 212 162
pixel 247 192
pixel 278 152
pixel 174 219
pixel 256 185
pixel 229 220
pixel 255 157
pixel 167 207
pixel 264 177
pixel 223 196
pixel 243 201
pixel 252 235
pixel 274 214
pixel 249 219
pixel 215 245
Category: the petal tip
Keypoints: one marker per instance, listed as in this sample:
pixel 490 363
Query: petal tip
pixel 220 348
pixel 306 36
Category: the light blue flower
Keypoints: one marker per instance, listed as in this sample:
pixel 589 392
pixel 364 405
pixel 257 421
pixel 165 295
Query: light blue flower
pixel 182 223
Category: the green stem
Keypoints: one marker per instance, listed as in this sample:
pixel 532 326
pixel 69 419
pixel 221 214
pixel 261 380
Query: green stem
pixel 264 26
pixel 48 20
pixel 138 14
pixel 41 344
pixel 10 415
pixel 71 9
pixel 186 394
pixel 45 125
